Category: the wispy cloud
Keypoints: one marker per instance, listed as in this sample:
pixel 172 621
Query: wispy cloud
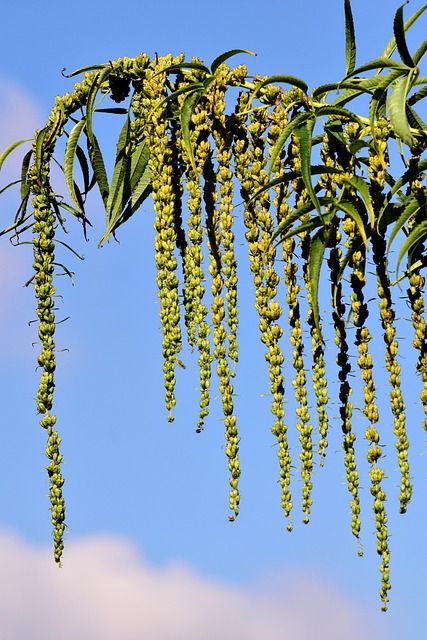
pixel 106 590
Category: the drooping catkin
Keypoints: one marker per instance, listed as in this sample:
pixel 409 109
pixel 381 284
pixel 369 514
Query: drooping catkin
pixel 222 266
pixel 164 194
pixel 345 390
pixel 250 161
pixel 377 163
pixel 44 248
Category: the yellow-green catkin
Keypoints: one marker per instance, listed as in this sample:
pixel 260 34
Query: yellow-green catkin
pixel 345 390
pixel 415 292
pixel 196 310
pixel 164 196
pixel 377 163
pixel 222 268
pixel 250 162
pixel 300 380
pixel 376 475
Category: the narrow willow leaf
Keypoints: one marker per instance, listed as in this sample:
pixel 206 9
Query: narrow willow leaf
pixel 120 179
pixel 304 133
pixel 317 252
pixel 417 234
pixel 380 94
pixel 324 89
pixel 70 154
pixel 417 202
pixel 358 183
pixel 93 67
pixel 296 214
pixel 99 78
pixel 419 95
pixel 84 167
pixel 11 148
pixel 25 189
pixel 409 175
pixel 378 63
pixel 335 110
pixel 225 56
pixel 414 119
pixel 350 210
pixel 396 105
pixel 284 135
pixel 350 39
pixel 287 79
pixel 399 36
pixel 391 46
pixel 419 53
pixel 187 110
pixel 98 166
pixel 11 184
pixel 39 140
pixel 134 186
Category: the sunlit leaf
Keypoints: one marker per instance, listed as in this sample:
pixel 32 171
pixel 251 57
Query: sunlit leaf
pixel 70 154
pixel 287 79
pixel 417 234
pixel 284 135
pixel 416 203
pixel 98 166
pixel 225 56
pixel 396 105
pixel 399 36
pixel 304 133
pixel 11 148
pixel 315 261
pixel 391 46
pixel 350 39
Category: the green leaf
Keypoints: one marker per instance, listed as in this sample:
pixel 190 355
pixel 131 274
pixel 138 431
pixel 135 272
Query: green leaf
pixel 419 54
pixel 25 189
pixel 419 95
pixel 225 56
pixel 187 110
pixel 281 140
pixel 11 148
pixel 358 183
pixel 39 140
pixel 350 39
pixel 287 79
pixel 417 202
pixel 317 252
pixel 304 133
pixel 332 86
pixel 120 179
pixel 379 95
pixel 99 78
pixel 414 119
pixel 391 46
pixel 70 154
pixel 351 211
pixel 409 175
pixel 396 104
pixel 399 36
pixel 98 166
pixel 417 234
pixel 378 63
pixel 93 67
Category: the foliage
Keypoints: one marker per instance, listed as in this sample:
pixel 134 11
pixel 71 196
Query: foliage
pixel 318 196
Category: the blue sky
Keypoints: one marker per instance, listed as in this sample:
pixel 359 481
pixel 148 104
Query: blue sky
pixel 147 500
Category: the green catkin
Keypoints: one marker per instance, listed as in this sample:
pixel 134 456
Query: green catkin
pixel 300 381
pixel 250 170
pixel 416 295
pixel 164 196
pixel 196 311
pixel 344 369
pixel 377 160
pixel 43 266
pixel 222 271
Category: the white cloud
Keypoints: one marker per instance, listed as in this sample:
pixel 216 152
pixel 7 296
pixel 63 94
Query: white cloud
pixel 20 116
pixel 107 591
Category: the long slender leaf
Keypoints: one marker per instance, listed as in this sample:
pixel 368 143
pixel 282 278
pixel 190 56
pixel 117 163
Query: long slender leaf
pixel 120 179
pixel 399 36
pixel 350 39
pixel 411 173
pixel 187 110
pixel 98 166
pixel 417 234
pixel 391 46
pixel 225 56
pixel 350 210
pixel 69 156
pixel 397 107
pixel 317 252
pixel 99 78
pixel 284 135
pixel 39 140
pixel 11 148
pixel 378 63
pixel 419 53
pixel 358 183
pixel 25 189
pixel 417 202
pixel 304 133
pixel 287 79
pixel 93 67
